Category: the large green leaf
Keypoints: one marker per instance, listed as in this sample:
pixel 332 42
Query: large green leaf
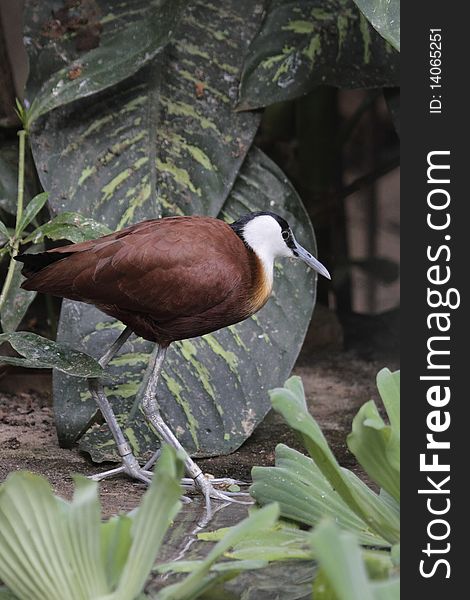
pixel 41 353
pixel 343 574
pixel 122 50
pixel 213 389
pixel 305 495
pixel 69 226
pixel 380 516
pixel 54 549
pixel 305 43
pixel 375 444
pixel 165 141
pixel 384 16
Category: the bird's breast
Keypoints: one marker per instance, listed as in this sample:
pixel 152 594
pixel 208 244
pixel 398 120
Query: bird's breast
pixel 262 285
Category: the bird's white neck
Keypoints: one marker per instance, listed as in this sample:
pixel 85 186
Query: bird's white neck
pixel 263 235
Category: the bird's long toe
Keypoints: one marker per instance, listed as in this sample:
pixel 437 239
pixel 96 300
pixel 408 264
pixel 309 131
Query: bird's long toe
pixel 130 467
pixel 107 474
pixel 221 482
pixel 210 492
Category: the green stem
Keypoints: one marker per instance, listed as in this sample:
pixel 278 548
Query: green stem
pixel 19 212
pixel 21 154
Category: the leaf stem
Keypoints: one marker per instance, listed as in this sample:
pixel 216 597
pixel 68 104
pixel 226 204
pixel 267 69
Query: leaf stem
pixel 21 156
pixel 19 212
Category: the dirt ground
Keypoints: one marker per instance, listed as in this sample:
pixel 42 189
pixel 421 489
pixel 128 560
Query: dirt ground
pixel 336 384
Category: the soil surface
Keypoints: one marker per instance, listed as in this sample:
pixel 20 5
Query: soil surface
pixel 337 383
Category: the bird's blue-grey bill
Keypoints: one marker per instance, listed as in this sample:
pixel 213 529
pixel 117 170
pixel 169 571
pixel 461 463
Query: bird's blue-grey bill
pixel 311 261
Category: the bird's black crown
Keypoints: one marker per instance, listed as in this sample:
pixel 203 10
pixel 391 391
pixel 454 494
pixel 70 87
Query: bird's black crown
pixel 239 225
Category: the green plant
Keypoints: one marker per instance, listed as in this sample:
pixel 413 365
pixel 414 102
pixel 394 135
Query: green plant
pixel 53 549
pixel 316 491
pixel 308 488
pixel 37 352
pixel 208 572
pixel 384 16
pixel 346 572
pixel 303 44
pixel 14 301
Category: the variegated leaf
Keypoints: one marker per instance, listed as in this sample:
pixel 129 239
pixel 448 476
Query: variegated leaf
pixel 384 16
pixel 85 48
pixel 165 141
pixel 305 43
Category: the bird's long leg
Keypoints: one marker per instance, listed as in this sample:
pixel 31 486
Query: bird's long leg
pixel 151 411
pixel 130 466
pixel 115 347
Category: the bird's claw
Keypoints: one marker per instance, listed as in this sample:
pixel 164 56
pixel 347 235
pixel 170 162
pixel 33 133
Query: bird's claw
pixel 210 492
pixel 130 467
pixel 224 483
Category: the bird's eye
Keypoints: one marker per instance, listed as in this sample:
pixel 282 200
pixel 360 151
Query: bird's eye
pixel 285 235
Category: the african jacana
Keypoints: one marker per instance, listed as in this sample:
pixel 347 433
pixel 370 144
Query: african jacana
pixel 168 279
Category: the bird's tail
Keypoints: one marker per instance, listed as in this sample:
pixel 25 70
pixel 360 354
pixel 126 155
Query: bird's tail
pixel 33 263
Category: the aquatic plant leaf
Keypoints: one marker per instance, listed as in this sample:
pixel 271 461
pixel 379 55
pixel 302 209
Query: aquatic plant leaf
pixel 50 548
pixel 378 515
pixel 35 561
pixel 376 449
pixel 158 508
pixel 375 444
pixel 200 577
pixel 343 572
pixel 305 495
pixel 279 543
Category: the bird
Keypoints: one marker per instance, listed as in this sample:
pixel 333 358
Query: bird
pixel 168 279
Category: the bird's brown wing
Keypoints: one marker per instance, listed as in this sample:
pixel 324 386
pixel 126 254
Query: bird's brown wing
pixel 165 268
